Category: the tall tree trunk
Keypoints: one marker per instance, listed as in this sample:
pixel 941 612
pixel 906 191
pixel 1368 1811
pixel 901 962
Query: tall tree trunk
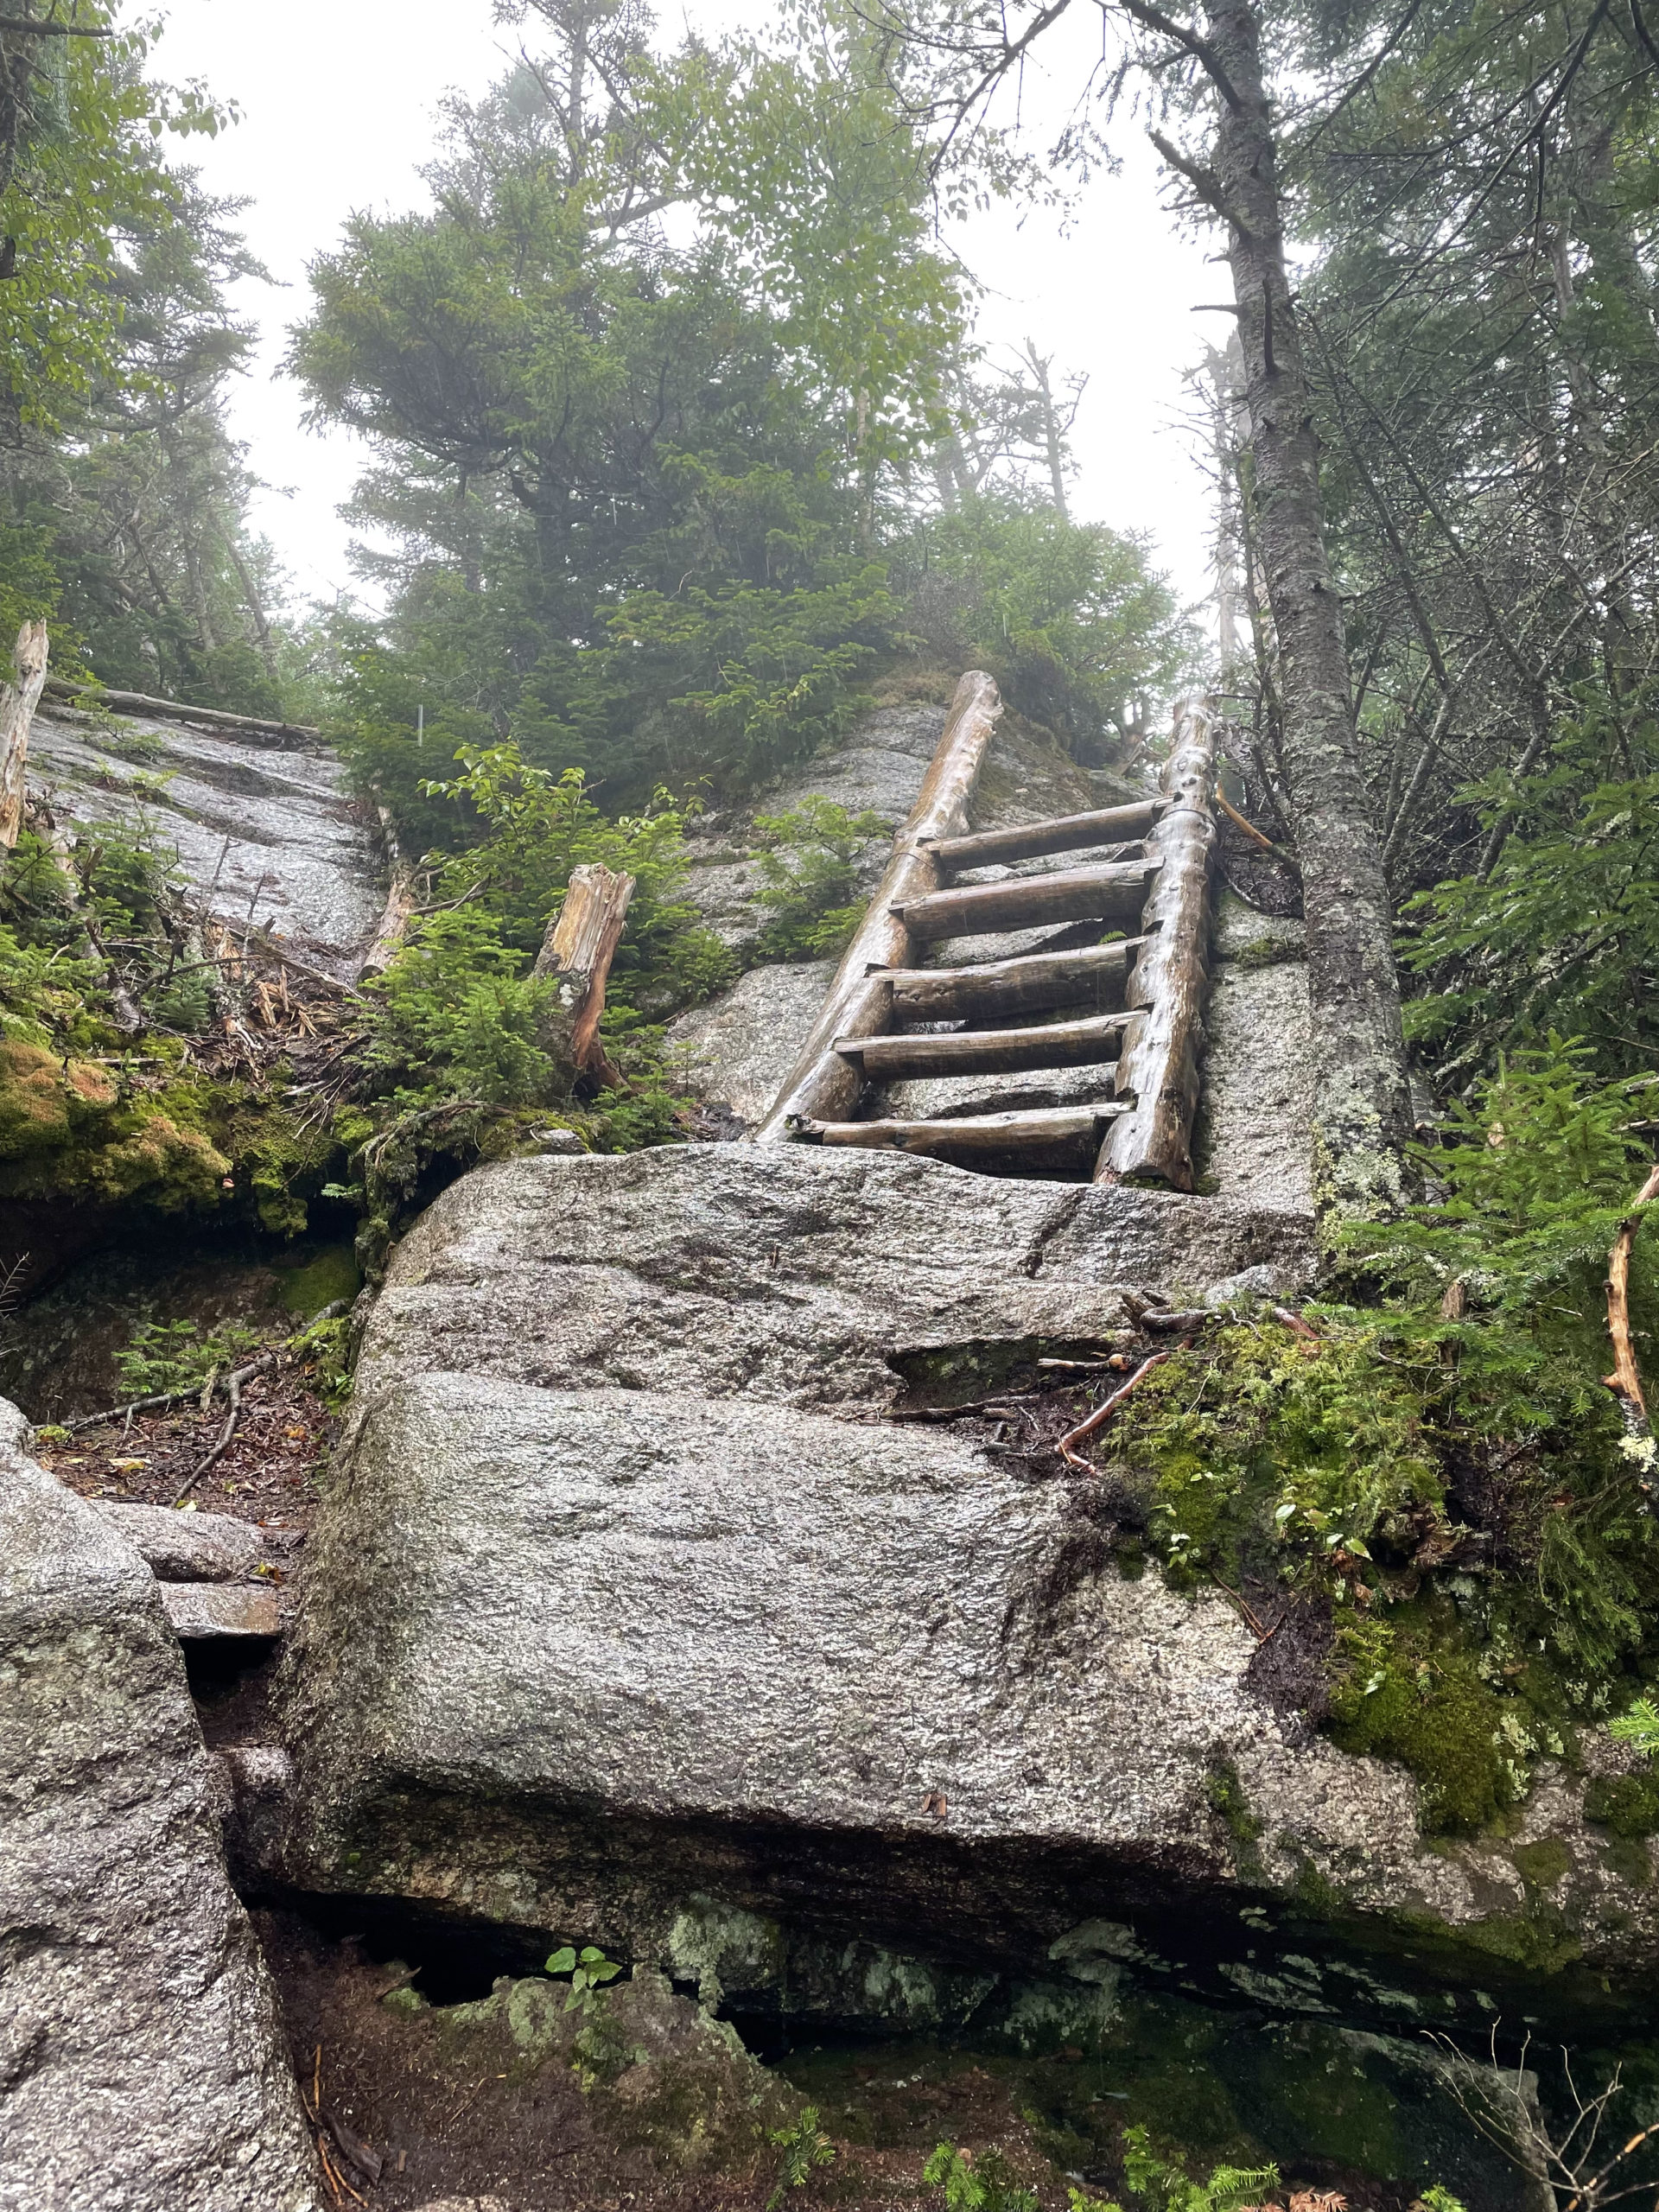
pixel 1361 1110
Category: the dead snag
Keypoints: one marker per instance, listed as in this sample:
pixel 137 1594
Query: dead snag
pixel 393 926
pixel 1625 1381
pixel 578 948
pixel 18 701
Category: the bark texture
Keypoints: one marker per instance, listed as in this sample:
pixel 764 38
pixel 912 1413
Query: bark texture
pixel 1361 1110
pixel 18 701
pixel 579 949
pixel 1158 1067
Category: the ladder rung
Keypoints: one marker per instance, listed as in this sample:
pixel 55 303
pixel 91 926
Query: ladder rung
pixel 1028 984
pixel 1063 833
pixel 1075 894
pixel 988 1051
pixel 1040 1128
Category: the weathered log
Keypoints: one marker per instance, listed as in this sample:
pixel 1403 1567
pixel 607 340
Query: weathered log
pixel 1062 833
pixel 256 727
pixel 1038 1129
pixel 822 1082
pixel 989 1051
pixel 578 948
pixel 1113 893
pixel 1158 1066
pixel 403 889
pixel 1032 983
pixel 1625 1381
pixel 18 701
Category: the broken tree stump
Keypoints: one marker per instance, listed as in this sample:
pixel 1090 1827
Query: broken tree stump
pixel 578 948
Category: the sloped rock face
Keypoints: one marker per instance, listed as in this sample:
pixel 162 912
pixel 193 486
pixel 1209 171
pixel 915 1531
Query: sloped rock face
pixel 268 828
pixel 629 1619
pixel 141 2064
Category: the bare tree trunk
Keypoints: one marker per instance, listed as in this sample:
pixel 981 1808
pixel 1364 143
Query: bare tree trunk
pixel 1361 1111
pixel 1053 435
pixel 578 948
pixel 18 701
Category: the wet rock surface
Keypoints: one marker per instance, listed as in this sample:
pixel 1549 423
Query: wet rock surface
pixel 265 832
pixel 1252 1140
pixel 626 1598
pixel 785 1272
pixel 142 2062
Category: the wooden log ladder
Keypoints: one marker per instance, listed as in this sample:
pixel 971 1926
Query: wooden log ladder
pixel 1131 1006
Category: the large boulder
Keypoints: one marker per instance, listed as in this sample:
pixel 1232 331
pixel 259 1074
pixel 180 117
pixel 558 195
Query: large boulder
pixel 142 2064
pixel 629 1619
pixel 783 1271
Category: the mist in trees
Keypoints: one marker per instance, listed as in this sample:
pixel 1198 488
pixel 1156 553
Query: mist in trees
pixel 123 499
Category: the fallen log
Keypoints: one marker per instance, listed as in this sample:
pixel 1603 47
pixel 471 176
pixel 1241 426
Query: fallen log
pixel 256 727
pixel 824 1083
pixel 1033 982
pixel 1039 1127
pixel 988 1051
pixel 1158 1067
pixel 578 948
pixel 1115 893
pixel 1063 833
pixel 18 701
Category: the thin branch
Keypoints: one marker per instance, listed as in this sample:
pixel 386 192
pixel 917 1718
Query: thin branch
pixel 1191 42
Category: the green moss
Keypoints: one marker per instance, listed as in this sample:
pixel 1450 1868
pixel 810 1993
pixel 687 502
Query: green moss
pixel 1627 1857
pixel 1226 1793
pixel 324 1278
pixel 1543 1864
pixel 1626 1803
pixel 1426 1705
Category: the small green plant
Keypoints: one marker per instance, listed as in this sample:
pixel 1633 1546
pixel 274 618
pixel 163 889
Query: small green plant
pixel 976 2184
pixel 175 1356
pixel 1436 2199
pixel 806 2148
pixel 1229 2188
pixel 808 860
pixel 325 1349
pixel 1078 2200
pixel 1639 1727
pixel 588 1969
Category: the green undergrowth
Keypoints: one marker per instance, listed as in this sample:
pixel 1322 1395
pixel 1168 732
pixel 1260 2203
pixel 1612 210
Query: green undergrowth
pixel 1438 1469
pixel 450 1057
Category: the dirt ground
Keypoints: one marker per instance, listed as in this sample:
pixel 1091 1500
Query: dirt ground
pixel 268 1475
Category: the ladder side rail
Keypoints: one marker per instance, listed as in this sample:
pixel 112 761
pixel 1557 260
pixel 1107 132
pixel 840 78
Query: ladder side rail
pixel 822 1085
pixel 1158 1066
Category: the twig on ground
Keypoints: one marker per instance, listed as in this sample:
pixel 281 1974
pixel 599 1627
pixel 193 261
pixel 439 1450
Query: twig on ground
pixel 220 1449
pixel 164 1397
pixel 1102 1412
pixel 1294 1322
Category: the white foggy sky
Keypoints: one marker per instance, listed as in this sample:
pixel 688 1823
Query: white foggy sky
pixel 337 100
